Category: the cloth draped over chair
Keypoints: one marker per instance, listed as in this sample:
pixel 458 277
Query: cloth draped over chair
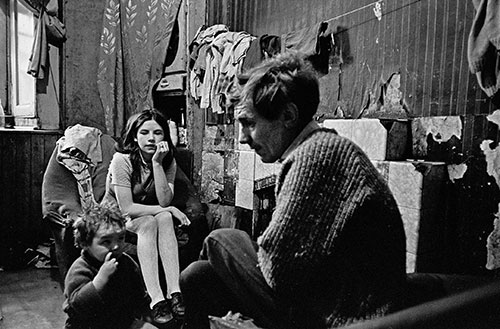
pixel 134 41
pixel 79 150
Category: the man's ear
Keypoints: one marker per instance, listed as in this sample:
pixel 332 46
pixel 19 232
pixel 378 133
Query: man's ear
pixel 290 115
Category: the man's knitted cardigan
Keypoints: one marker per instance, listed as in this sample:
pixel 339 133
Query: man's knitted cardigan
pixel 334 250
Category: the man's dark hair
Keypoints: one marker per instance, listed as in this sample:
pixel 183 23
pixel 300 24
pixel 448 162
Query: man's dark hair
pixel 279 81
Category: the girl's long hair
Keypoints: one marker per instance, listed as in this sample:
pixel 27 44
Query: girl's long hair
pixel 128 145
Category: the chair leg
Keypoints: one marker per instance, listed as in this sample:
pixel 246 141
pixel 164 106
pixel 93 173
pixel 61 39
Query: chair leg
pixel 65 249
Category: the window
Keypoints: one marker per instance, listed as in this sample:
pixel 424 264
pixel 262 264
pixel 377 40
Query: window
pixel 21 37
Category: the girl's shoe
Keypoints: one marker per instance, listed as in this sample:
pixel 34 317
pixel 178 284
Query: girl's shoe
pixel 177 305
pixel 161 313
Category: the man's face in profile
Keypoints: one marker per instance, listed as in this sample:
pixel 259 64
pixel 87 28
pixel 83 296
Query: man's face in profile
pixel 266 137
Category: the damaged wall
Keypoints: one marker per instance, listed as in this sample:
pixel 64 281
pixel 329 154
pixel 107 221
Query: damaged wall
pixel 403 59
pixel 492 156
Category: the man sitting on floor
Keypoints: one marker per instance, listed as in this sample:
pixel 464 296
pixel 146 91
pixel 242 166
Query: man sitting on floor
pixel 334 250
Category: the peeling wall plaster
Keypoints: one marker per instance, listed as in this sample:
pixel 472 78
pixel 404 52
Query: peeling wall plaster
pixel 493 169
pixel 495 117
pixel 456 171
pixel 492 159
pixel 212 178
pixel 386 101
pixel 443 128
pixel 493 244
pixel 492 155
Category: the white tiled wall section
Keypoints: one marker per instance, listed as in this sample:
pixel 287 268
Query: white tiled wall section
pixel 369 134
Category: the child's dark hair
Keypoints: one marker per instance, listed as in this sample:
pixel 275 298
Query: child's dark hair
pixel 88 223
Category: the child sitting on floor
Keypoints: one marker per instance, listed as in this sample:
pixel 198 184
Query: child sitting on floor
pixel 103 287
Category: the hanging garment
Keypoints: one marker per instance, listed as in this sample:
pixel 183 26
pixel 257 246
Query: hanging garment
pixel 49 29
pixel 483 44
pixel 265 46
pixel 314 42
pixel 39 59
pixel 198 57
pixel 231 65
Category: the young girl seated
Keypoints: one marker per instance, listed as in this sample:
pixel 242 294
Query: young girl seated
pixel 141 181
pixel 103 287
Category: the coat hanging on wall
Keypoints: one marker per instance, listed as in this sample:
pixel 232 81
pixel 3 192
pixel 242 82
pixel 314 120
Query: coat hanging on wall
pixel 134 41
pixel 49 30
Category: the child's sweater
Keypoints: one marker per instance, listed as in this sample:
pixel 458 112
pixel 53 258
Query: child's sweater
pixel 123 298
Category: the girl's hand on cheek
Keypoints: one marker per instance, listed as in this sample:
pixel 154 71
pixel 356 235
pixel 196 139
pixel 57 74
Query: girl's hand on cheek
pixel 162 150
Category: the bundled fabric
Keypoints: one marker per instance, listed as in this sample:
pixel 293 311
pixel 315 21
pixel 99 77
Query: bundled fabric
pixel 78 150
pixel 216 57
pixel 231 321
pixel 197 57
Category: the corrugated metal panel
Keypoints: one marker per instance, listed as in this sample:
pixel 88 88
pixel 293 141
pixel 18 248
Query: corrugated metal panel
pixel 424 40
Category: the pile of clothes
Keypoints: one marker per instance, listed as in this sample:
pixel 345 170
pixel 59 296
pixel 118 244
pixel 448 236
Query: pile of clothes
pixel 217 56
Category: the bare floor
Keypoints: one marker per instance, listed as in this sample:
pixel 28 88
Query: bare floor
pixel 30 298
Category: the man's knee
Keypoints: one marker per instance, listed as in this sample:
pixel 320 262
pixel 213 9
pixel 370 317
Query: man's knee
pixel 195 274
pixel 226 236
pixel 223 243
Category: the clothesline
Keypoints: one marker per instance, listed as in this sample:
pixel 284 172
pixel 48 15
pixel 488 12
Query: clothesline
pixel 366 6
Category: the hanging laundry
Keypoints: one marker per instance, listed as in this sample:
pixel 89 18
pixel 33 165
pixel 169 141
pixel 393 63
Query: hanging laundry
pixel 230 66
pixel 216 58
pixel 314 42
pixel 483 44
pixel 39 59
pixel 197 56
pixel 265 46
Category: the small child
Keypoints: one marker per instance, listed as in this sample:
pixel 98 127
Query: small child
pixel 104 287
